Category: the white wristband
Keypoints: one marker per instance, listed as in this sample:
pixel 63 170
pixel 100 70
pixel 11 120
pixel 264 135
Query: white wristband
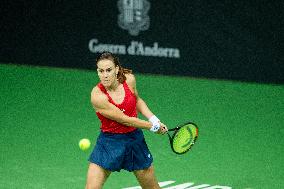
pixel 155 123
pixel 155 127
pixel 153 119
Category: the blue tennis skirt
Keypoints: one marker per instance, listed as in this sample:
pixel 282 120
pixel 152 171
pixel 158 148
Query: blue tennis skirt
pixel 128 151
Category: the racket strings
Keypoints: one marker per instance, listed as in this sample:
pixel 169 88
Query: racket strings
pixel 184 138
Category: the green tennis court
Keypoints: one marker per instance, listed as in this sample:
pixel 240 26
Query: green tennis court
pixel 44 112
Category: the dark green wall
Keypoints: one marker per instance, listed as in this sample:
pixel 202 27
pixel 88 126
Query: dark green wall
pixel 238 40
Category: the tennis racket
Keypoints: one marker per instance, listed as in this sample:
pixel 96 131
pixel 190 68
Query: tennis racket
pixel 183 137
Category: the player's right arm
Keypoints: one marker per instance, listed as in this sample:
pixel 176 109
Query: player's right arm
pixel 104 107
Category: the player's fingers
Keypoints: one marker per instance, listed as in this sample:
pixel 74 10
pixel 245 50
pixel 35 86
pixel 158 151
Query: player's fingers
pixel 165 127
pixel 164 130
pixel 160 131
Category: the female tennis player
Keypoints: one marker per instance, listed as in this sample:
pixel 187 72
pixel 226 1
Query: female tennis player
pixel 121 143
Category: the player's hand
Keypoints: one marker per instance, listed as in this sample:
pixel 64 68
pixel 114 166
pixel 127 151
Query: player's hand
pixel 163 129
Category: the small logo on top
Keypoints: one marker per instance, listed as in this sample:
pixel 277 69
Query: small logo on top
pixel 133 15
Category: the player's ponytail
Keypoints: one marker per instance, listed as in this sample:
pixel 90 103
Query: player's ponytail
pixel 121 72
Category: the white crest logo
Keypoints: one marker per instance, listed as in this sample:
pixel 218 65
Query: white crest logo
pixel 133 15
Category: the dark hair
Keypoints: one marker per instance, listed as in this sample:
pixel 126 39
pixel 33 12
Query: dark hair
pixel 121 72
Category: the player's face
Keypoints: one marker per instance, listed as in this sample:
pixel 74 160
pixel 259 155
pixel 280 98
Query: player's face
pixel 107 72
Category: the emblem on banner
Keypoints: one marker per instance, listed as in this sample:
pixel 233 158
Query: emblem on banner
pixel 133 15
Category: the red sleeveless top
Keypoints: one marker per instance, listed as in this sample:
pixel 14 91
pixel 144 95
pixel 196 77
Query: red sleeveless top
pixel 128 107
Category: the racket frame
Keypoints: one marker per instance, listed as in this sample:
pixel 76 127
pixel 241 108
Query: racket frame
pixel 175 131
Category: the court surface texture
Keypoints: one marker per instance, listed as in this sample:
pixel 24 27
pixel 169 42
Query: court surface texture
pixel 44 112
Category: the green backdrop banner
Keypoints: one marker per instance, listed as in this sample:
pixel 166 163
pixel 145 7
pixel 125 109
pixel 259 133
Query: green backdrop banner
pixel 213 39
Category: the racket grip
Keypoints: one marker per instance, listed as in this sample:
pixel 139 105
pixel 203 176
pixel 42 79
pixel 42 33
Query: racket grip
pixel 173 129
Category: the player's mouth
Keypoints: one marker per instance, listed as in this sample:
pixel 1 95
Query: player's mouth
pixel 106 81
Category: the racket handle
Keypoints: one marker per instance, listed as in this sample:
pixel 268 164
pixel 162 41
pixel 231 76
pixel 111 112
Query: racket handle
pixel 173 129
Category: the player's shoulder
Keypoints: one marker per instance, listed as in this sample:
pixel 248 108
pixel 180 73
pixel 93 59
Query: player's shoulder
pixel 97 96
pixel 130 79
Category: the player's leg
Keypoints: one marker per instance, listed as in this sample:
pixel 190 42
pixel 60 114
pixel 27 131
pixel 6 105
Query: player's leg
pixel 146 178
pixel 96 177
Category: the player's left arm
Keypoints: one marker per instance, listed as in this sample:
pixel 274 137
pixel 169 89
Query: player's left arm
pixel 141 104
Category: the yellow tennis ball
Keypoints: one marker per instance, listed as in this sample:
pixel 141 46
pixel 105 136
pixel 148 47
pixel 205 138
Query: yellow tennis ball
pixel 84 144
